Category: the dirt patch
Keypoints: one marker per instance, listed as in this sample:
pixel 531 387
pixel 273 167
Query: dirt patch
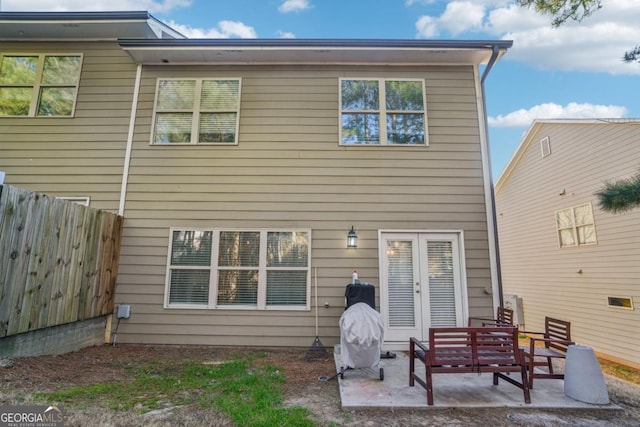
pixel 302 388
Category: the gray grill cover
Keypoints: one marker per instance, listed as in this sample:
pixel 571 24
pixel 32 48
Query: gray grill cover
pixel 361 336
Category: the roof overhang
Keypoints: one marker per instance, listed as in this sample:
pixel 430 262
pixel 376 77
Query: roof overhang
pixel 82 26
pixel 313 51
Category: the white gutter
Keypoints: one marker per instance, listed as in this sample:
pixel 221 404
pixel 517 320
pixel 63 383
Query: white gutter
pixel 127 157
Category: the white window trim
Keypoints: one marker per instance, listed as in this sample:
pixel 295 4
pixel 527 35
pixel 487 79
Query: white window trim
pixel 575 227
pixel 195 123
pixel 382 111
pixel 262 268
pixel 37 85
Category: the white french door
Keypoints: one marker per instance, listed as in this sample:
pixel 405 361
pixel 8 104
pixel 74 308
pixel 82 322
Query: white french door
pixel 422 283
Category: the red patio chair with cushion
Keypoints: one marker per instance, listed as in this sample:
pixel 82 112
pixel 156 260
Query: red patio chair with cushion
pixel 556 338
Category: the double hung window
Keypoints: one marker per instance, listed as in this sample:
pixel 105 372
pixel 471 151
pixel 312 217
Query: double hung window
pixel 576 226
pixel 382 112
pixel 259 269
pixel 39 85
pixel 196 111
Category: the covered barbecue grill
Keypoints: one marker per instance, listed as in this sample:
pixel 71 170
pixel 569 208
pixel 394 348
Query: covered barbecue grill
pixel 361 331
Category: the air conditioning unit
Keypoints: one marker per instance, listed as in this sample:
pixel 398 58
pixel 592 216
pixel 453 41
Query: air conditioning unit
pixel 514 303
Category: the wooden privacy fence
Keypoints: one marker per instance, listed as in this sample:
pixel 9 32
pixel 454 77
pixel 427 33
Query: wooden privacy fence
pixel 58 261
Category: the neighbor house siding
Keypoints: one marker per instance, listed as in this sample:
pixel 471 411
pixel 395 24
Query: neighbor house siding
pixel 572 283
pixel 81 155
pixel 289 171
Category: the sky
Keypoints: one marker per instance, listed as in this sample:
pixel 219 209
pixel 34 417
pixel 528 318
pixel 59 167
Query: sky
pixel 573 71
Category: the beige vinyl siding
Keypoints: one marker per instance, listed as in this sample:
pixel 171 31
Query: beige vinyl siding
pixel 288 171
pixel 546 276
pixel 81 155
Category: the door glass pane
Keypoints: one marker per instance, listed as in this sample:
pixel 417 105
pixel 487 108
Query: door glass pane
pixel 441 284
pixel 400 281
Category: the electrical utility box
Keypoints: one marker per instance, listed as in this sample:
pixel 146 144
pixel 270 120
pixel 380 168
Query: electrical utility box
pixel 514 303
pixel 123 311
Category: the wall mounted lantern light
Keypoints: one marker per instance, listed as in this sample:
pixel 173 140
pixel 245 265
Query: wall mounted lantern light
pixel 352 238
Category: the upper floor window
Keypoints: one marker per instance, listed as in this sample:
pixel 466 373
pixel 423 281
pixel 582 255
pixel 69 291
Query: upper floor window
pixel 252 269
pixel 576 226
pixel 39 85
pixel 197 111
pixel 382 112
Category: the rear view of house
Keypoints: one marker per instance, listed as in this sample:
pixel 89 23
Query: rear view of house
pixel 241 166
pixel 563 255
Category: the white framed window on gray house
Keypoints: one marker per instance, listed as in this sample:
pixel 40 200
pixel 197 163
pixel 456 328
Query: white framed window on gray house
pixel 196 111
pixel 382 112
pixel 238 269
pixel 576 226
pixel 39 85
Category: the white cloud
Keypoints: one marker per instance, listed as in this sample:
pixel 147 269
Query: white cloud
pixel 152 6
pixel 294 6
pixel 225 30
pixel 462 16
pixel 523 118
pixel 594 45
pixel 286 35
pixel 427 27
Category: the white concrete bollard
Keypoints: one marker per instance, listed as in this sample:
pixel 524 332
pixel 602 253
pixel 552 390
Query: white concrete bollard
pixel 583 379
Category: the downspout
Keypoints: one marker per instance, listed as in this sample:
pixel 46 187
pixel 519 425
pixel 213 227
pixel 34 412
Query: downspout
pixel 492 218
pixel 127 157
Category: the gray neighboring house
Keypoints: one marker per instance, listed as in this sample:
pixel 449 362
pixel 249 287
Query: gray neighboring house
pixel 559 252
pixel 241 165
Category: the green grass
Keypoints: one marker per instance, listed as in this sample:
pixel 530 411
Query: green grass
pixel 250 394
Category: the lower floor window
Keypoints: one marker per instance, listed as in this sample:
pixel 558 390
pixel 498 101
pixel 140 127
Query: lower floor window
pixel 256 269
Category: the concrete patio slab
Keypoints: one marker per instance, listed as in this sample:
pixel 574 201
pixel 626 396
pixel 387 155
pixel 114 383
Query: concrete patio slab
pixel 362 389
